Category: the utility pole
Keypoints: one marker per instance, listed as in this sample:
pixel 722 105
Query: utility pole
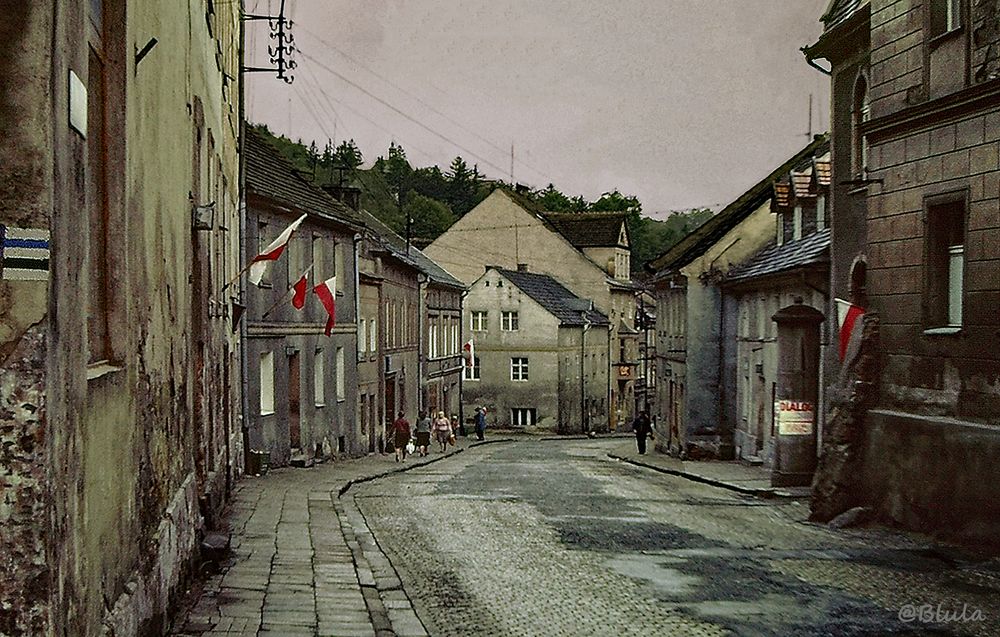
pixel 512 163
pixel 280 53
pixel 809 133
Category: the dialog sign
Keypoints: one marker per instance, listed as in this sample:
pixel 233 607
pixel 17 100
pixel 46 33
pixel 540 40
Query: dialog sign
pixel 795 417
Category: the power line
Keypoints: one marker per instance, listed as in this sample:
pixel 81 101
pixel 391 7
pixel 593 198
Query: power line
pixel 377 125
pixel 400 112
pixel 430 107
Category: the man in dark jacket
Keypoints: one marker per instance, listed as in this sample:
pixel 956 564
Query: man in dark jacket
pixel 642 428
pixel 480 422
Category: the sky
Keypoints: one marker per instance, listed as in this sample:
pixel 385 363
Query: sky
pixel 682 103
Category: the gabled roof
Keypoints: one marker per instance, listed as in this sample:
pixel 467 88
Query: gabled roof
pixel 589 229
pixel 396 245
pixel 707 234
pixel 554 297
pixel 269 174
pixel 811 250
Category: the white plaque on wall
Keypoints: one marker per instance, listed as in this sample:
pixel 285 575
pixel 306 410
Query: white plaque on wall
pixel 77 104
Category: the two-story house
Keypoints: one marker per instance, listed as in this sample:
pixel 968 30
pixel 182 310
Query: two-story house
pixel 539 359
pixel 915 218
pixel 694 316
pixel 301 382
pixel 794 270
pixel 586 252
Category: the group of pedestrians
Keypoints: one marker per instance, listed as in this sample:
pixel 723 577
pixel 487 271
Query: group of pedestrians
pixel 443 429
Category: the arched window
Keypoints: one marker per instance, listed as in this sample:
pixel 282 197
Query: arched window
pixel 860 114
pixel 859 282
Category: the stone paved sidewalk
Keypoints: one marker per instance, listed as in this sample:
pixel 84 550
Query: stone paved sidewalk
pixel 725 474
pixel 303 561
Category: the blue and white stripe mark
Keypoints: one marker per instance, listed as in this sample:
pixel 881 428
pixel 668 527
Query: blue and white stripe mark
pixel 24 254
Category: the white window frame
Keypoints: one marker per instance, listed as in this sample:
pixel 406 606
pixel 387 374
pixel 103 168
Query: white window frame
pixel 508 321
pixel 479 320
pixel 797 222
pixel 523 416
pixel 319 379
pixel 373 335
pixel 341 384
pixel 519 369
pixel 266 383
pixel 362 337
pixel 820 212
pixel 474 372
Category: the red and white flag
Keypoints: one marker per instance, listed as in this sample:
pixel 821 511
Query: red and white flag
pixel 259 264
pixel 301 287
pixel 327 293
pixel 469 351
pixel 849 317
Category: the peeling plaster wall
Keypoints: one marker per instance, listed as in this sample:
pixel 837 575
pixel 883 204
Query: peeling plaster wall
pixel 26 147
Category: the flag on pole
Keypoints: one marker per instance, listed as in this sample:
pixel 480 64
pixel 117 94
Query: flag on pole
pixel 468 350
pixel 849 318
pixel 327 293
pixel 259 264
pixel 301 287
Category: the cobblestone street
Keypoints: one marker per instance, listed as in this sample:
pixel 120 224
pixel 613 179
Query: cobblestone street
pixel 555 538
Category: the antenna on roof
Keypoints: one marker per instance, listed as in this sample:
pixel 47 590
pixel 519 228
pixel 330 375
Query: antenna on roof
pixel 809 133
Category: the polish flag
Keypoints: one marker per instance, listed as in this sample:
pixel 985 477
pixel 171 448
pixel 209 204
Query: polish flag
pixel 301 287
pixel 849 316
pixel 470 354
pixel 271 253
pixel 327 293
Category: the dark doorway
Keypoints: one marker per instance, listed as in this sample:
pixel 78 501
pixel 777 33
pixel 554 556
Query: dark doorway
pixel 390 407
pixel 294 409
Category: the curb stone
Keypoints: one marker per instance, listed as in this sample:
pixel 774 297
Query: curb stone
pixel 765 493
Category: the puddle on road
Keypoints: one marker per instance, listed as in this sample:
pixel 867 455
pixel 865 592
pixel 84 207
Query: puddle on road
pixel 667 581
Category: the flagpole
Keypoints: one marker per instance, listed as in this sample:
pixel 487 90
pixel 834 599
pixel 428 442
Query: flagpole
pixel 285 295
pixel 237 277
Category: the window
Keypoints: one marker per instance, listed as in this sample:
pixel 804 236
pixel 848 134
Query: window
pixel 362 338
pixel 373 334
pixel 472 372
pixel 341 385
pixel 262 242
pixel 338 266
pixel 522 417
pixel 319 386
pixel 859 115
pixel 508 321
pixel 266 383
pixel 781 229
pixel 945 16
pixel 519 369
pixel 432 336
pixel 456 346
pixel 479 322
pixel 820 212
pixel 945 263
pixel 797 223
pixel 317 258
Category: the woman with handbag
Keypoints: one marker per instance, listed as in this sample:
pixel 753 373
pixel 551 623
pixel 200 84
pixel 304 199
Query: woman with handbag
pixel 401 436
pixel 442 430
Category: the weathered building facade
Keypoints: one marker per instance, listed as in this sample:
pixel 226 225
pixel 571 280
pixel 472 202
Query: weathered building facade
pixel 694 317
pixel 915 227
pixel 301 383
pixel 586 252
pixel 793 271
pixel 120 384
pixel 539 354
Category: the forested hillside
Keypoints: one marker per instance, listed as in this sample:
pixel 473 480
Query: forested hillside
pixel 435 199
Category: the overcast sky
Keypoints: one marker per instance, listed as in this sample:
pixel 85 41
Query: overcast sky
pixel 682 103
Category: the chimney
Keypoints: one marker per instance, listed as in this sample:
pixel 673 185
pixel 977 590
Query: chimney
pixel 347 195
pixel 522 267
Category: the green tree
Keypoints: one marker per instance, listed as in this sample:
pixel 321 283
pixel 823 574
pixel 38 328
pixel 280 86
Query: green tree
pixel 430 216
pixel 348 155
pixel 461 187
pixel 553 200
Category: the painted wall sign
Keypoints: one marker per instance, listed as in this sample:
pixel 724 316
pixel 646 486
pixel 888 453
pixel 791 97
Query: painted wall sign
pixel 795 417
pixel 24 254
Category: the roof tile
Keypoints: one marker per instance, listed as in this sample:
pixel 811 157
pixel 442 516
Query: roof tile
pixel 554 297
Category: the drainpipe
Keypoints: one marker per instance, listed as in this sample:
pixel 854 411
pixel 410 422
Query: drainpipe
pixel 583 395
pixel 242 180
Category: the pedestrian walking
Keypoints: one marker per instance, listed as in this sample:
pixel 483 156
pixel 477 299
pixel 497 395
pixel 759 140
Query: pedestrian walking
pixel 642 428
pixel 442 430
pixel 401 436
pixel 423 433
pixel 480 423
